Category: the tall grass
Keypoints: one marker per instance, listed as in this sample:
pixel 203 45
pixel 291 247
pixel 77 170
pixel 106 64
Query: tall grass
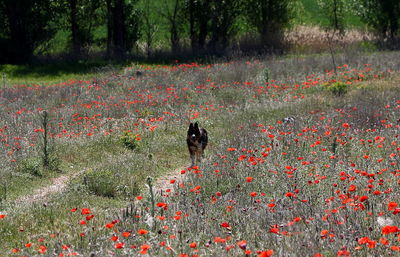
pixel 300 188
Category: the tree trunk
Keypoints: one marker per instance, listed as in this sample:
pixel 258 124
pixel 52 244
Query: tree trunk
pixel 175 30
pixel 21 44
pixel 76 44
pixel 193 36
pixel 109 28
pixel 119 28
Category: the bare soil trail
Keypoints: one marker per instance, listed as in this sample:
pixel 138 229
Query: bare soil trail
pixel 57 185
pixel 166 184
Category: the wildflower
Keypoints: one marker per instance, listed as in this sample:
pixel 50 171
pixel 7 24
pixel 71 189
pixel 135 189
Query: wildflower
pixel 219 240
pixel 352 188
pixel 142 232
pixel 392 206
pixel 119 245
pixel 242 244
pixel 145 248
pixel 126 234
pixel 109 225
pixel 390 229
pixel 193 245
pixel 42 249
pixel 225 225
pixel 85 211
pixel 266 253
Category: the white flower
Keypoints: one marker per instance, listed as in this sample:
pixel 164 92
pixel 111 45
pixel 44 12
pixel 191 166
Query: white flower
pixel 384 221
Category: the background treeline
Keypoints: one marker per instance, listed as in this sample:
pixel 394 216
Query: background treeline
pixel 117 28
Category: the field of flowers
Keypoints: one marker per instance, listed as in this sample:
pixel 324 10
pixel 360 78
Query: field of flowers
pixel 326 183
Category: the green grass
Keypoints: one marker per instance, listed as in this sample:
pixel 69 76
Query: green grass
pixel 234 122
pixel 49 74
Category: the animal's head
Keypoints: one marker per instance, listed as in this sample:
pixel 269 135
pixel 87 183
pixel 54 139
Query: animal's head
pixel 194 132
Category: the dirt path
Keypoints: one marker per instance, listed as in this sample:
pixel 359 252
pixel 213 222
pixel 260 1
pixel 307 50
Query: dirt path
pixel 57 185
pixel 166 184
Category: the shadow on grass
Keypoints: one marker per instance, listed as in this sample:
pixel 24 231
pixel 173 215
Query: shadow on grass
pixel 54 70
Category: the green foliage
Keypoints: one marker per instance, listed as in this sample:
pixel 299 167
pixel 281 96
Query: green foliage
pixel 382 16
pixel 130 140
pixel 25 25
pixel 269 17
pixel 32 166
pixel 101 182
pixel 334 10
pixel 338 88
pixel 53 162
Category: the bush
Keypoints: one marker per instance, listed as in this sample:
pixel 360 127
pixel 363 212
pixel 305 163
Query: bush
pixel 338 88
pixel 101 182
pixel 54 163
pixel 32 166
pixel 130 140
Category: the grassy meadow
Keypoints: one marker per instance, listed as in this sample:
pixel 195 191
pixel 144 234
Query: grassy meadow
pixel 326 183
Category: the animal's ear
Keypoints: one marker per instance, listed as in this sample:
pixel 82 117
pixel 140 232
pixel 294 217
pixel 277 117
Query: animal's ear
pixel 196 127
pixel 191 126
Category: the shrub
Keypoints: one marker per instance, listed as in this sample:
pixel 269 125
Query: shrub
pixel 32 166
pixel 130 140
pixel 101 182
pixel 54 163
pixel 338 88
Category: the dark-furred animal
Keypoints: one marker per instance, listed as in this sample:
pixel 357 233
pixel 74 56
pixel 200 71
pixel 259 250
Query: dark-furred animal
pixel 197 140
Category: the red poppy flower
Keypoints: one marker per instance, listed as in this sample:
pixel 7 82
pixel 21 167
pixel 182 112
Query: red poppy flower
pixel 352 188
pixel 109 225
pixel 242 244
pixel 225 225
pixel 119 245
pixel 142 232
pixel 266 253
pixel 392 206
pixel 85 211
pixel 390 229
pixel 145 248
pixel 126 234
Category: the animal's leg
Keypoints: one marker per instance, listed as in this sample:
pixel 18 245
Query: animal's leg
pixel 193 157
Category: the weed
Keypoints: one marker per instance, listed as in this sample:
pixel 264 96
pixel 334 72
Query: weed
pixel 101 182
pixel 32 166
pixel 338 89
pixel 130 140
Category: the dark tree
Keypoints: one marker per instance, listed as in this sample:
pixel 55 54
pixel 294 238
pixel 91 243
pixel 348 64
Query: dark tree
pixel 172 11
pixel 199 14
pixel 122 26
pixel 76 44
pixel 25 25
pixel 382 15
pixel 211 23
pixel 223 17
pixel 82 20
pixel 269 17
